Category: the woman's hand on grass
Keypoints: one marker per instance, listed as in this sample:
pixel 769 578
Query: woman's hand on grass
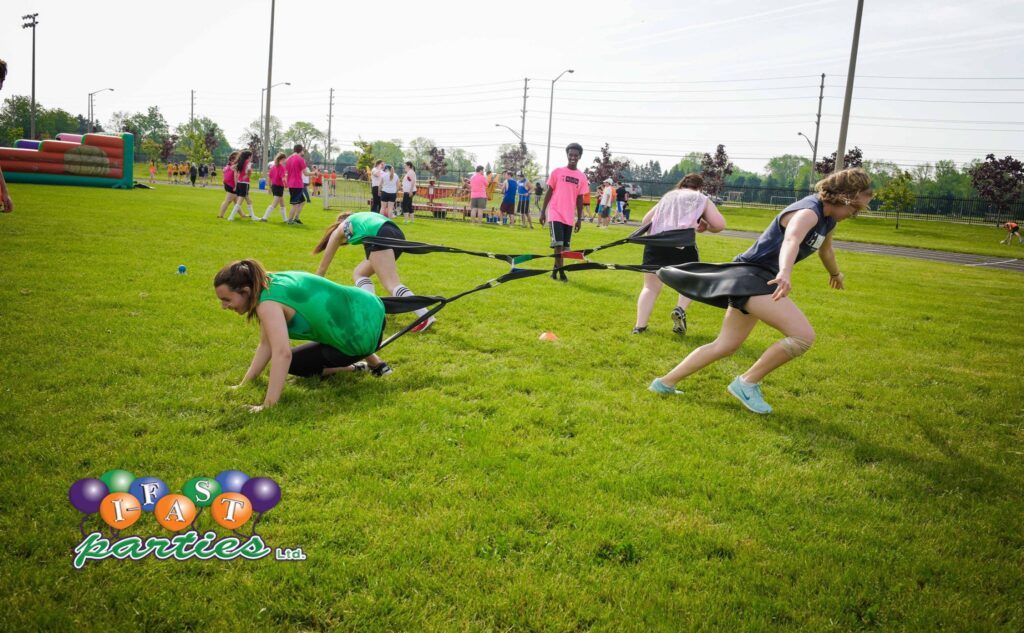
pixel 836 281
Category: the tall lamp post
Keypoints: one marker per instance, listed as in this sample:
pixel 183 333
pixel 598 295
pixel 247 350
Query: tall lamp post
pixel 30 23
pixel 814 157
pixel 264 116
pixel 551 106
pixel 92 110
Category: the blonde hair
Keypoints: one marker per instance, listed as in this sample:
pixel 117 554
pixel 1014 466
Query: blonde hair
pixel 842 186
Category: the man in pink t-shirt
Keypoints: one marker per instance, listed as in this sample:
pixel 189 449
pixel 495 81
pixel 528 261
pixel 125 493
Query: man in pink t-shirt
pixel 478 194
pixel 563 204
pixel 295 169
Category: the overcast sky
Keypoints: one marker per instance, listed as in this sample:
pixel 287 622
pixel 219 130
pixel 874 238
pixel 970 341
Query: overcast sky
pixel 655 79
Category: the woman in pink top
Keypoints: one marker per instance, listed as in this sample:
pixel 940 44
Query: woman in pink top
pixel 680 213
pixel 229 184
pixel 243 168
pixel 276 177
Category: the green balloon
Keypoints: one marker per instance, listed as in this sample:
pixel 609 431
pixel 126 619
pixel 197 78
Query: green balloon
pixel 117 480
pixel 201 490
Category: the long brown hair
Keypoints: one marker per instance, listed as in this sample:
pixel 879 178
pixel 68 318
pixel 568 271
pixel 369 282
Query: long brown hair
pixel 232 157
pixel 243 158
pixel 329 231
pixel 691 181
pixel 280 157
pixel 244 275
pixel 841 187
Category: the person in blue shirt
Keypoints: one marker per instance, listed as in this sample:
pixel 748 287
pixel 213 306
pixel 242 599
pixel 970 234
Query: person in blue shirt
pixel 523 206
pixel 508 198
pixel 755 286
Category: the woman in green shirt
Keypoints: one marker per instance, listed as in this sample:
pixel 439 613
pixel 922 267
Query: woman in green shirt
pixel 344 325
pixel 353 228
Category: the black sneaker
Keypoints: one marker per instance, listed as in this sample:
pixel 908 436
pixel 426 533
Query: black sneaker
pixel 679 320
pixel 639 330
pixel 562 278
pixel 296 221
pixel 381 370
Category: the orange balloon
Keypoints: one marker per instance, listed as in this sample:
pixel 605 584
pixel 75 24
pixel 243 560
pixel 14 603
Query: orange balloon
pixel 231 510
pixel 120 510
pixel 175 512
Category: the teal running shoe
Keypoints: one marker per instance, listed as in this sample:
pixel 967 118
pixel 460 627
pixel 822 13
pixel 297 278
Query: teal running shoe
pixel 659 387
pixel 750 396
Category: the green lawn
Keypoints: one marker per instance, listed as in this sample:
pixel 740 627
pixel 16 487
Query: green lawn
pixel 944 236
pixel 496 482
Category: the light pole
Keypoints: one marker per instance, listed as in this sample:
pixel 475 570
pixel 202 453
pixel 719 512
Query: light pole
pixel 92 127
pixel 551 106
pixel 814 158
pixel 31 23
pixel 844 124
pixel 270 81
pixel 263 94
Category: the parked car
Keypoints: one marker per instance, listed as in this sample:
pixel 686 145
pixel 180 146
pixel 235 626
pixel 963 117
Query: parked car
pixel 634 191
pixel 352 173
pixel 717 200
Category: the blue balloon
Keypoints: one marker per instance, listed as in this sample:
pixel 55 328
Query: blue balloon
pixel 148 490
pixel 231 480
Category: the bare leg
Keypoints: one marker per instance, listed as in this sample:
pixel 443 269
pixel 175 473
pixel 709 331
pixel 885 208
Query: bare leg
pixel 383 263
pixel 228 199
pixel 784 316
pixel 648 295
pixel 736 327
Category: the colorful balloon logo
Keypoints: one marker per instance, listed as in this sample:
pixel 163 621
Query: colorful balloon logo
pixel 201 490
pixel 120 510
pixel 86 494
pixel 117 480
pixel 263 492
pixel 232 480
pixel 231 510
pixel 175 512
pixel 148 490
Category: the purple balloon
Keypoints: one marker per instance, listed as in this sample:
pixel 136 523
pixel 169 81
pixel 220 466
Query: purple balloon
pixel 262 492
pixel 86 494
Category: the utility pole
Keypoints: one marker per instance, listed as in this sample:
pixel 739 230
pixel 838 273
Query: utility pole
pixel 31 24
pixel 817 130
pixel 330 119
pixel 841 151
pixel 192 112
pixel 270 79
pixel 522 125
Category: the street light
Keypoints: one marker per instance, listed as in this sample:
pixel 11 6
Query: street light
pixel 30 23
pixel 551 106
pixel 92 127
pixel 518 136
pixel 263 92
pixel 814 158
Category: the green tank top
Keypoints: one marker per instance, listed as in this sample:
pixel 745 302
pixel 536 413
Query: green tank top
pixel 348 319
pixel 363 224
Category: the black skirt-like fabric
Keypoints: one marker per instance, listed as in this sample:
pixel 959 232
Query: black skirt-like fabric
pixel 719 285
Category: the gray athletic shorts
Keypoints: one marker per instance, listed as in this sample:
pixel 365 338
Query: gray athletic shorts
pixel 478 203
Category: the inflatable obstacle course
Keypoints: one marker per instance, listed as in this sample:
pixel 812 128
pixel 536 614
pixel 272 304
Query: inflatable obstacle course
pixel 86 160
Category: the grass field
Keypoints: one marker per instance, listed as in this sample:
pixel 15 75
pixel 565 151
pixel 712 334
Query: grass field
pixel 495 482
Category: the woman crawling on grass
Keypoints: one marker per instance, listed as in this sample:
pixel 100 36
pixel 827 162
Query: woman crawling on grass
pixel 345 325
pixel 756 285
pixel 353 228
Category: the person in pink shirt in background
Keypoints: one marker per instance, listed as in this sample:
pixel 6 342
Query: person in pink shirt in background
pixel 478 194
pixel 229 183
pixel 563 205
pixel 295 169
pixel 276 176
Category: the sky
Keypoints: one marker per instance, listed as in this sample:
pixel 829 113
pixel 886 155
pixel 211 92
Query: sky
pixel 935 80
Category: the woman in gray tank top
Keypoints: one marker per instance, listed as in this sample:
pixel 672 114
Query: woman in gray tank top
pixel 756 286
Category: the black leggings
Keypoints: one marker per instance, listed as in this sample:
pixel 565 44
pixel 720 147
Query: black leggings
pixel 375 199
pixel 311 359
pixel 407 202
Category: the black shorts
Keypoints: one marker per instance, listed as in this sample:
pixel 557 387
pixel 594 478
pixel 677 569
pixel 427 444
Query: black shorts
pixel 311 359
pixel 388 230
pixel 561 234
pixel 388 197
pixel 229 188
pixel 507 207
pixel 669 255
pixel 407 202
pixel 296 196
pixel 277 190
pixel 242 189
pixel 523 206
pixel 1015 230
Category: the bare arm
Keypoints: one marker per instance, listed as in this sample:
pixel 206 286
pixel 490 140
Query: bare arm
pixel 544 207
pixel 799 224
pixel 828 259
pixel 712 217
pixel 259 360
pixel 275 326
pixel 337 239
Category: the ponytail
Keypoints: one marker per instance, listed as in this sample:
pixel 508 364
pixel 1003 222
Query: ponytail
pixel 330 231
pixel 245 275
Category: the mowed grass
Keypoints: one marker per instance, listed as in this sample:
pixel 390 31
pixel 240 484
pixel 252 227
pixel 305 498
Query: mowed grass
pixel 496 482
pixel 979 239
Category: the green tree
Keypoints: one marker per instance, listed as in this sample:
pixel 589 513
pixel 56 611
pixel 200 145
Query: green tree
pixel 365 158
pixel 304 133
pixel 898 194
pixel 511 157
pixel 785 168
pixel 418 151
pixel 345 159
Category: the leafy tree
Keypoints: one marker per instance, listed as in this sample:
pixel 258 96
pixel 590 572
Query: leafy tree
pixel 389 151
pixel 148 125
pixel 460 162
pixel 715 170
pixel 345 159
pixel 606 167
pixel 167 145
pixel 516 158
pixel 365 158
pixel 418 151
pixel 785 168
pixel 303 132
pixel 999 181
pixel 192 141
pixel 437 165
pixel 898 194
pixel 827 165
